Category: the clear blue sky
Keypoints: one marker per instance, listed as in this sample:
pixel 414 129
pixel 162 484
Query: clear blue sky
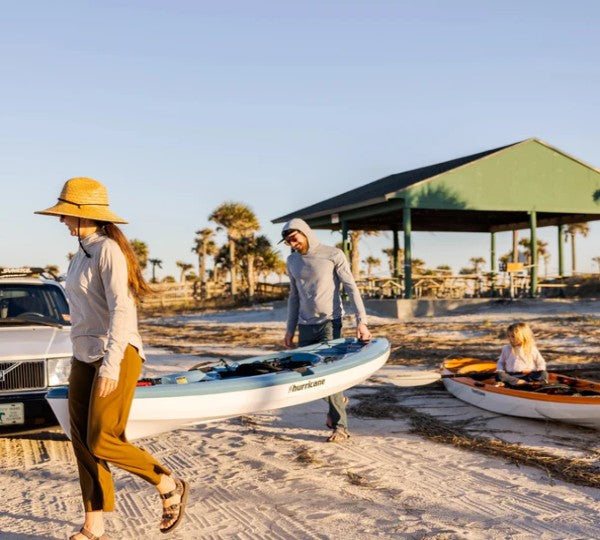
pixel 179 106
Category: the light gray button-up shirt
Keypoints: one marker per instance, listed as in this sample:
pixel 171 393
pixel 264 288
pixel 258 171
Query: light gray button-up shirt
pixel 103 311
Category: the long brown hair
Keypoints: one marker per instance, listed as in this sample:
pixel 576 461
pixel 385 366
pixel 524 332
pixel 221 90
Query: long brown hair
pixel 135 280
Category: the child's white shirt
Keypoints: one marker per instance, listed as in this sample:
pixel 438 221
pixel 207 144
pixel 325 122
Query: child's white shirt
pixel 513 360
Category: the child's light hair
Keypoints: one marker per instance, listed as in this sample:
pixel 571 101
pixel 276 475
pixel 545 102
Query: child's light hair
pixel 522 334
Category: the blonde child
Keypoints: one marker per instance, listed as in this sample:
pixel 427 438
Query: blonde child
pixel 520 362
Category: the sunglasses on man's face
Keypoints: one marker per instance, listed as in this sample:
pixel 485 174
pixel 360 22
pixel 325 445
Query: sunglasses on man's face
pixel 291 238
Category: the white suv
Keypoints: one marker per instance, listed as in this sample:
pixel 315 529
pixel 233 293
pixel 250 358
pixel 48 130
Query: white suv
pixel 35 347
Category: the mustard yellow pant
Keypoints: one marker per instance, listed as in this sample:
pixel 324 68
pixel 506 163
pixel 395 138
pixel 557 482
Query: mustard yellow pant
pixel 98 431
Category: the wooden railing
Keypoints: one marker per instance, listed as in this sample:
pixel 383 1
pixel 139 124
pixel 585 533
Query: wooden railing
pixel 198 295
pixel 458 286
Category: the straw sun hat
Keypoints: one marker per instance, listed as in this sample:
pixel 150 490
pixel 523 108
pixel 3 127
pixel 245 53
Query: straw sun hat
pixel 83 198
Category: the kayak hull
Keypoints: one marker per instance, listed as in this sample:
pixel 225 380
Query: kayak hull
pixel 160 408
pixel 583 410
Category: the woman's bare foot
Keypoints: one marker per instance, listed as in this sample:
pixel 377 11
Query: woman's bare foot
pixel 93 525
pixel 174 493
pixel 167 485
pixel 85 534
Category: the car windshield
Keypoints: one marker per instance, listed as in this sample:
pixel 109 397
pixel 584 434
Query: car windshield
pixel 33 303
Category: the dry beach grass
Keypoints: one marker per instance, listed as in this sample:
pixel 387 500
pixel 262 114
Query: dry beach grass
pixel 385 403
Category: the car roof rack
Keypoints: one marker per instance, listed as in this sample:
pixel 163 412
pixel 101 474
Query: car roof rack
pixel 27 271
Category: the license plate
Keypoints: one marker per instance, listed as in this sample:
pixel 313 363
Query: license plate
pixel 12 413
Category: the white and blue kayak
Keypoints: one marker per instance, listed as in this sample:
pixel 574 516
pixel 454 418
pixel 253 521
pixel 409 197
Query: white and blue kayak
pixel 261 383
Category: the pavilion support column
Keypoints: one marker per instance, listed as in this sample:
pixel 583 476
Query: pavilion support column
pixel 493 261
pixel 395 255
pixel 406 225
pixel 345 250
pixel 561 263
pixel 533 250
pixel 345 239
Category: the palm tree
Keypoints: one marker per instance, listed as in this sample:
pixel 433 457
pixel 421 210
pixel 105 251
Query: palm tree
pixel 371 262
pixel 203 246
pixel 249 249
pixel 354 253
pixel 354 250
pixel 477 262
pixel 514 253
pixel 597 261
pixel 222 262
pixel 267 259
pixel 526 245
pixel 571 231
pixel 155 263
pixel 184 268
pixel 191 276
pixel 417 266
pixel 542 251
pixel 444 269
pixel 257 258
pixel 239 221
pixel 507 257
pixel 280 268
pixel 141 252
pixel 546 257
pixel 389 252
pixel 211 250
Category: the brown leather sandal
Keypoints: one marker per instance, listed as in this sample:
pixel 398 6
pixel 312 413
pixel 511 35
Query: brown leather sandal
pixel 340 434
pixel 175 510
pixel 89 534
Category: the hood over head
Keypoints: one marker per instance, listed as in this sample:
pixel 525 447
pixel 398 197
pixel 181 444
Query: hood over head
pixel 297 224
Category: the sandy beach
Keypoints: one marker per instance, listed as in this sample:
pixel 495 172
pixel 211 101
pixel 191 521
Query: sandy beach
pixel 406 472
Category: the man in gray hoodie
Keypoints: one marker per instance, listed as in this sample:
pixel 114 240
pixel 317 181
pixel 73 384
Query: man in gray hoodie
pixel 315 304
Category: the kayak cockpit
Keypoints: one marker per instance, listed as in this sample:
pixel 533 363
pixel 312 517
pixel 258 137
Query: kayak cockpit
pixel 300 362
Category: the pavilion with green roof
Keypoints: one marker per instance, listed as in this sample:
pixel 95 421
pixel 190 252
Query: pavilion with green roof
pixel 528 184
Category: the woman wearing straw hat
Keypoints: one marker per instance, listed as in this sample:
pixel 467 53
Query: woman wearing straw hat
pixel 102 282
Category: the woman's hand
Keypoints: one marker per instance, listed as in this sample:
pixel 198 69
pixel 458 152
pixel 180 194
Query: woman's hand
pixel 105 386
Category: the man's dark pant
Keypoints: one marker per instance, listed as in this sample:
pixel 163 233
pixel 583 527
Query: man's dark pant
pixel 309 334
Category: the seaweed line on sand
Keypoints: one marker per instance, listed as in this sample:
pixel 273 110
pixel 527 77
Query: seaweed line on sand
pixel 383 404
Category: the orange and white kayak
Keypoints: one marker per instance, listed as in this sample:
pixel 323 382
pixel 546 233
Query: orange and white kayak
pixel 565 399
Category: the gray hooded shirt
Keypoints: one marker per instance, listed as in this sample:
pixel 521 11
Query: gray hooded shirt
pixel 315 279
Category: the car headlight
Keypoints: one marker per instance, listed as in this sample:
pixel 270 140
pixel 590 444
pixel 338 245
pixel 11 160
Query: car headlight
pixel 58 371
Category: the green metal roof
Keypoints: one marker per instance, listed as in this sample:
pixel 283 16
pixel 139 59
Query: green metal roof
pixel 489 191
